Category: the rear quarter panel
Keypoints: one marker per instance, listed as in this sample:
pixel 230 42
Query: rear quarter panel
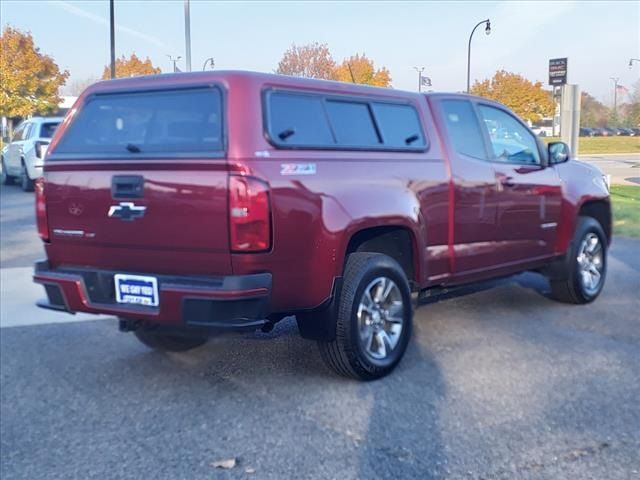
pixel 315 216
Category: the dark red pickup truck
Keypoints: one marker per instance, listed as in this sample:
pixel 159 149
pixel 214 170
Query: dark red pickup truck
pixel 193 203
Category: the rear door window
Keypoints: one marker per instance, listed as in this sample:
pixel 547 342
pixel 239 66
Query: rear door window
pixel 463 128
pixel 48 129
pixel 159 123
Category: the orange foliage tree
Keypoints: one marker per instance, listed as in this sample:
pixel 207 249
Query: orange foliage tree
pixel 29 79
pixel 131 67
pixel 527 99
pixel 315 61
pixel 311 61
pixel 360 69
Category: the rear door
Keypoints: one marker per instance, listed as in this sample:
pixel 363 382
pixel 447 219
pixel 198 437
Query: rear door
pixel 14 153
pixel 138 182
pixel 475 196
pixel 529 193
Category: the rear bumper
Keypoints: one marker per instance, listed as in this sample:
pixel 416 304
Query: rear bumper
pixel 230 302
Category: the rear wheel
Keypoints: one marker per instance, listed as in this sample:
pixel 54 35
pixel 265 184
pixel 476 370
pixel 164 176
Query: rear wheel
pixel 584 270
pixel 25 181
pixel 6 178
pixel 374 316
pixel 168 343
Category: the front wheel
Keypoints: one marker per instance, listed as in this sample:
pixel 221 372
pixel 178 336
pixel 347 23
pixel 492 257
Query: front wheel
pixel 168 343
pixel 584 270
pixel 374 318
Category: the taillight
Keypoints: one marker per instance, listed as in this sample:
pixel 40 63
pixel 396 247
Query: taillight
pixel 41 149
pixel 41 210
pixel 249 214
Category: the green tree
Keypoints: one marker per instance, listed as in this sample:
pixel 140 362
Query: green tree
pixel 29 79
pixel 360 69
pixel 131 67
pixel 592 112
pixel 527 99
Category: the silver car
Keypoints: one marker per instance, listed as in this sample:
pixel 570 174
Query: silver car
pixel 23 158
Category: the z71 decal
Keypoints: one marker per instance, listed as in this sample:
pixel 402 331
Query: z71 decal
pixel 297 169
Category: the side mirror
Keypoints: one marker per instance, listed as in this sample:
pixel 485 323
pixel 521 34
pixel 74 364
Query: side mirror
pixel 559 152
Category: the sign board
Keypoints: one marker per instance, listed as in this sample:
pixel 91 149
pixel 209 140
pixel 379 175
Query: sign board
pixel 557 71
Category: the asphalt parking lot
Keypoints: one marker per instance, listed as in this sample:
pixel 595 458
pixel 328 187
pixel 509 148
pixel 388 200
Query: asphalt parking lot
pixel 498 383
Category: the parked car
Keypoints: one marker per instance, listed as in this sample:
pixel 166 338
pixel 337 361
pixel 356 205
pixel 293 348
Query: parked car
pixel 635 130
pixel 586 132
pixel 624 132
pixel 608 132
pixel 23 158
pixel 194 203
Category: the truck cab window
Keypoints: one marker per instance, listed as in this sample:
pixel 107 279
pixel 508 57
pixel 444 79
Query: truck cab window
pixel 510 140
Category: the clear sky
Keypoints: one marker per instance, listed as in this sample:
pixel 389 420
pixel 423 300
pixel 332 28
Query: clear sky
pixel 598 37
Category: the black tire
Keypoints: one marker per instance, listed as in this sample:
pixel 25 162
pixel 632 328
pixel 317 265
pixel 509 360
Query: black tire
pixel 168 343
pixel 345 354
pixel 26 183
pixel 567 285
pixel 6 178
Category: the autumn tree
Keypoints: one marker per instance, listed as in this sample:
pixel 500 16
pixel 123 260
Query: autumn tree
pixel 311 61
pixel 29 79
pixel 592 112
pixel 527 99
pixel 360 69
pixel 131 67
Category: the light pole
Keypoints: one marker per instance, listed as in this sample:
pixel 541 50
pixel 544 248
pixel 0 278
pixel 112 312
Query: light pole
pixel 187 33
pixel 631 60
pixel 419 70
pixel 615 98
pixel 174 60
pixel 112 33
pixel 487 30
pixel 209 60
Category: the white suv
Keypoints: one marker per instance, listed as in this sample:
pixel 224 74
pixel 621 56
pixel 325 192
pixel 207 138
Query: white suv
pixel 23 158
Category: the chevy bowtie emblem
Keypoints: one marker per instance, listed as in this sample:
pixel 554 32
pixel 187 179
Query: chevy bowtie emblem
pixel 127 211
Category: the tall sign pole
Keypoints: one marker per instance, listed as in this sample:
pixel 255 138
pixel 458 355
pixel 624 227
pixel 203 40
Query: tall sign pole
pixel 187 33
pixel 112 25
pixel 557 79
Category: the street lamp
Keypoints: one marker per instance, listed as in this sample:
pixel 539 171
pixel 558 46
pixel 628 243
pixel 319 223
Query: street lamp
pixel 174 60
pixel 487 30
pixel 631 60
pixel 208 60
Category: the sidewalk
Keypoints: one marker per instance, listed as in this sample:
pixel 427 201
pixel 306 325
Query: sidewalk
pixel 18 297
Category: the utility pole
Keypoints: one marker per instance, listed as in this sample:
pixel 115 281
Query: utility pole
pixel 419 70
pixel 187 33
pixel 615 98
pixel 112 28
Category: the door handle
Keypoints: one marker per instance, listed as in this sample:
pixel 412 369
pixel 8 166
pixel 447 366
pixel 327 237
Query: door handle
pixel 506 181
pixel 127 186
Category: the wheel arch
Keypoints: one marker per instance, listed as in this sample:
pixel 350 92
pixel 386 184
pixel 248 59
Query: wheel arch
pixel 397 241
